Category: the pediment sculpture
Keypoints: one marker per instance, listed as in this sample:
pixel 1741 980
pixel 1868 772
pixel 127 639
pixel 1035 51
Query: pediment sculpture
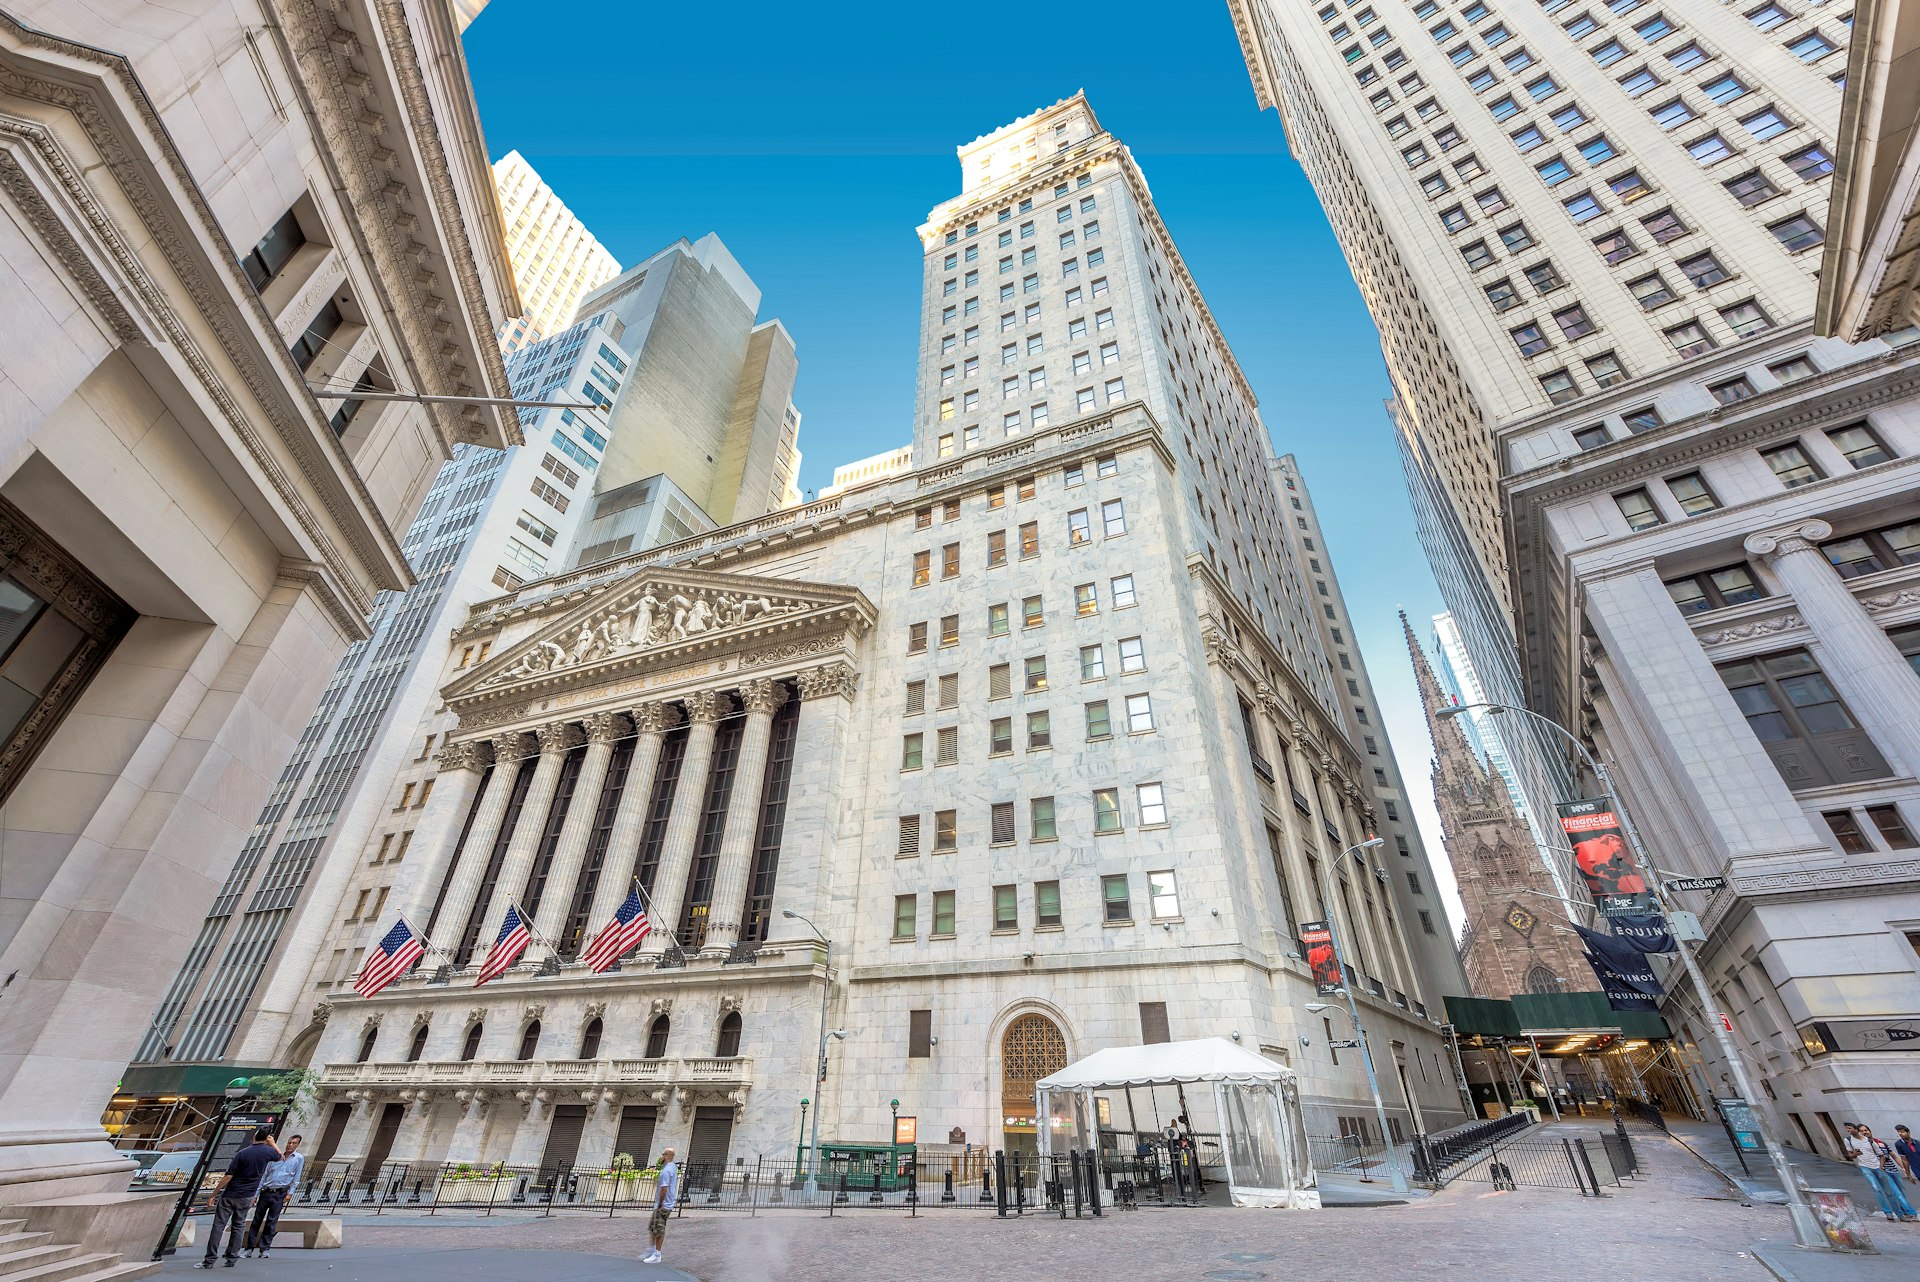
pixel 662 614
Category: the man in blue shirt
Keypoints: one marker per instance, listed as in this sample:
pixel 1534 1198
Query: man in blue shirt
pixel 275 1188
pixel 666 1192
pixel 233 1198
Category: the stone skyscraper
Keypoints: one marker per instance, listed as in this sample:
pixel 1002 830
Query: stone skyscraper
pixel 1664 512
pixel 1038 731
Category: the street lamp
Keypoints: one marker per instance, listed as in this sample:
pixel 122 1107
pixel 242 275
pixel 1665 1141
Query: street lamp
pixel 1806 1228
pixel 1353 1009
pixel 820 1069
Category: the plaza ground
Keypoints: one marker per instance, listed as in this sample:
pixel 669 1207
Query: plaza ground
pixel 1681 1220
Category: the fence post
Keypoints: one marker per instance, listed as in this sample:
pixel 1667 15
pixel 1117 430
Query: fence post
pixel 1020 1187
pixel 1587 1161
pixel 946 1187
pixel 1579 1181
pixel 913 1188
pixel 1000 1183
pixel 1093 1182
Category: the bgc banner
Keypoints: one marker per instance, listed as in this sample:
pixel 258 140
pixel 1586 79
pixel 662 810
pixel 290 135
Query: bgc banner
pixel 1600 853
pixel 1322 959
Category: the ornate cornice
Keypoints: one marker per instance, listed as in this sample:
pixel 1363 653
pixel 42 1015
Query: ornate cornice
pixel 605 727
pixel 558 737
pixel 828 680
pixel 656 718
pixel 762 696
pixel 509 748
pixel 472 755
pixel 313 579
pixel 208 269
pixel 704 707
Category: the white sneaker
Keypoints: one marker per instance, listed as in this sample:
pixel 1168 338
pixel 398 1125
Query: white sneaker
pixel 651 1257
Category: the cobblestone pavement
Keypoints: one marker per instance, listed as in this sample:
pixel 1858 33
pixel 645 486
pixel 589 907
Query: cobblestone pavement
pixel 1673 1223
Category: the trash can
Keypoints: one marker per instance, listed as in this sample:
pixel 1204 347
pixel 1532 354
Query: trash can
pixel 1839 1221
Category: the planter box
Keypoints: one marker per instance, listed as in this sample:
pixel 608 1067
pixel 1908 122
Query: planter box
pixel 481 1191
pixel 627 1189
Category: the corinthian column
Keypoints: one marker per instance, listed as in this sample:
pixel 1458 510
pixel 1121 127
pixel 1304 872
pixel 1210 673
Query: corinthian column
pixel 460 766
pixel 651 721
pixel 602 729
pixel 761 698
pixel 1863 664
pixel 704 710
pixel 450 920
pixel 556 739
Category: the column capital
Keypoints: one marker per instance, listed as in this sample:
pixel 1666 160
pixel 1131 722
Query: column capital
pixel 828 680
pixel 605 727
pixel 704 707
pixel 471 755
pixel 656 718
pixel 1801 536
pixel 509 748
pixel 763 695
pixel 558 736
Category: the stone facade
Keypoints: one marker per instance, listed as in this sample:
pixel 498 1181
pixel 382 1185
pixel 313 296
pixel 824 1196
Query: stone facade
pixel 247 200
pixel 1516 939
pixel 993 726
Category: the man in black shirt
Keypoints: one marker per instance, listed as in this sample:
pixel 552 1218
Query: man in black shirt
pixel 234 1196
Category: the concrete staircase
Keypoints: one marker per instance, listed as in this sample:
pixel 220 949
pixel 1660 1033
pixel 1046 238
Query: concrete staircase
pixel 26 1256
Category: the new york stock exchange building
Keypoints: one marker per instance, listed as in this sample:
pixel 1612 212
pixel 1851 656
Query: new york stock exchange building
pixel 1036 773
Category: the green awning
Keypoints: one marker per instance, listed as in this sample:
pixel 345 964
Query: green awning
pixel 185 1079
pixel 1551 1013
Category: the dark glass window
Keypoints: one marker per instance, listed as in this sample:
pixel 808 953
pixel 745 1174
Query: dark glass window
pixel 1796 713
pixel 471 1047
pixel 306 348
pixel 1715 588
pixel 657 1038
pixel 590 1039
pixel 276 249
pixel 728 1045
pixel 530 1039
pixel 1875 550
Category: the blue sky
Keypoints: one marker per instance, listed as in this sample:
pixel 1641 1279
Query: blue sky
pixel 815 148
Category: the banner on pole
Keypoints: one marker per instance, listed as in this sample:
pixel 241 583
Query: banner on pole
pixel 1648 932
pixel 1625 975
pixel 1322 958
pixel 1600 853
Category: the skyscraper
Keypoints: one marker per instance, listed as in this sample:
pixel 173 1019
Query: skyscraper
pixel 1663 512
pixel 556 260
pixel 328 849
pixel 1038 732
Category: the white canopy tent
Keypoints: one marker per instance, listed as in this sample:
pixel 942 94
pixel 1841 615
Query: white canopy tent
pixel 1263 1138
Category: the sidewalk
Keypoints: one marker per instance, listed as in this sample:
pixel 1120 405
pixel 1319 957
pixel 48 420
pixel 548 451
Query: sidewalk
pixel 434 1264
pixel 1708 1141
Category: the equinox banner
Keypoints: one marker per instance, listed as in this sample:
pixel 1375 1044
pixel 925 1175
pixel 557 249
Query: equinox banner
pixel 1322 960
pixel 1625 975
pixel 1600 852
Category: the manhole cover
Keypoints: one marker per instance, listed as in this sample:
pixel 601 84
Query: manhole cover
pixel 1248 1257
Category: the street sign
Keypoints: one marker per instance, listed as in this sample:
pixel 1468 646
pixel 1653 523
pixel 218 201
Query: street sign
pixel 1695 883
pixel 1740 1122
pixel 1347 1044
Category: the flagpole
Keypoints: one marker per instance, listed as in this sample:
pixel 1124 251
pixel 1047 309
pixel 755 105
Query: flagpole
pixel 646 901
pixel 427 945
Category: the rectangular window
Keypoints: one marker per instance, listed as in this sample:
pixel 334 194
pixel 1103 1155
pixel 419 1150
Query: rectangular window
pixel 909 836
pixel 1733 389
pixel 1502 295
pixel 1115 899
pixel 1139 713
pixel 1606 369
pixel 1892 828
pixel 1039 730
pixel 1006 908
pixel 1036 672
pixel 1591 438
pixel 1079 527
pixel 949 629
pixel 916 638
pixel 1874 551
pixel 1046 903
pixel 1765 123
pixel 946 832
pixel 1032 612
pixel 1615 247
pixel 1000 681
pixel 1573 321
pixel 1085 600
pixel 1639 81
pixel 1530 340
pixel 996 548
pixel 1673 114
pixel 1629 187
pixel 1792 465
pixel 1698 593
pixel 906 911
pixel 1040 815
pixel 1810 163
pixel 942 915
pixel 1163 896
pixel 1637 507
pixel 1664 226
pixel 1703 270
pixel 1690 339
pixel 997 620
pixel 1746 318
pixel 1793 369
pixel 1113 518
pixel 1093 662
pixel 1001 824
pixel 1029 539
pixel 1690 491
pixel 1785 698
pixel 1133 655
pixel 1582 207
pixel 1709 150
pixel 1099 723
pixel 1725 89
pixel 1752 188
pixel 1560 388
pixel 1859 444
pixel 1152 799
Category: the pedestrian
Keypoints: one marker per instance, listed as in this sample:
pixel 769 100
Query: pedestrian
pixel 1878 1163
pixel 233 1197
pixel 276 1186
pixel 1908 1152
pixel 666 1192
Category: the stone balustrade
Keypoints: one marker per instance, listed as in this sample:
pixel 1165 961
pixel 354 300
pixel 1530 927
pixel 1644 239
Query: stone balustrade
pixel 734 1071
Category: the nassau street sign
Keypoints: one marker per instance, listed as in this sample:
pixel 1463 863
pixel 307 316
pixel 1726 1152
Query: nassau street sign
pixel 1695 883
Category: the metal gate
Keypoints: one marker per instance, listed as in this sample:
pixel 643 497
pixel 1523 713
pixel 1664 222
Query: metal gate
pixel 1563 1163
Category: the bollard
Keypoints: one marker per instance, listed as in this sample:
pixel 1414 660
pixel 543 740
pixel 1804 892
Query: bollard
pixel 913 1185
pixel 1019 1189
pixel 346 1191
pixel 841 1196
pixel 416 1192
pixel 874 1198
pixel 946 1188
pixel 1073 1171
pixel 1000 1184
pixel 986 1184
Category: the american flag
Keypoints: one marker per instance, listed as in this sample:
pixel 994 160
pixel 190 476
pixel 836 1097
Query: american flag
pixel 507 946
pixel 628 927
pixel 395 955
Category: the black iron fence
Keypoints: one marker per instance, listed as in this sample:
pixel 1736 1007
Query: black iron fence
pixel 1075 1183
pixel 1565 1162
pixel 1436 1157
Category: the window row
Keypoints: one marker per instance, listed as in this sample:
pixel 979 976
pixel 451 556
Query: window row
pixel 1135 713
pixel 1790 462
pixel 1116 906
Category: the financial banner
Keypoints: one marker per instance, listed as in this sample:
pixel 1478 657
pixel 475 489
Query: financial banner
pixel 1624 973
pixel 1322 959
pixel 1600 853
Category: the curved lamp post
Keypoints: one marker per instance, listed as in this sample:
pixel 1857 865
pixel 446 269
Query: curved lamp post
pixel 820 1068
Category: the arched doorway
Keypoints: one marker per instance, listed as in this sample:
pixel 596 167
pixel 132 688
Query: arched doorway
pixel 1031 1048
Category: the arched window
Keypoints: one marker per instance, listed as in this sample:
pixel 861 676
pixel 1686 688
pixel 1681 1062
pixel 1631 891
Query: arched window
pixel 471 1047
pixel 1542 980
pixel 657 1038
pixel 590 1040
pixel 366 1044
pixel 530 1039
pixel 419 1044
pixel 729 1046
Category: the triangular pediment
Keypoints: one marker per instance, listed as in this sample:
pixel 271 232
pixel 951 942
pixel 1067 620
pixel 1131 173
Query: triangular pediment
pixel 664 617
